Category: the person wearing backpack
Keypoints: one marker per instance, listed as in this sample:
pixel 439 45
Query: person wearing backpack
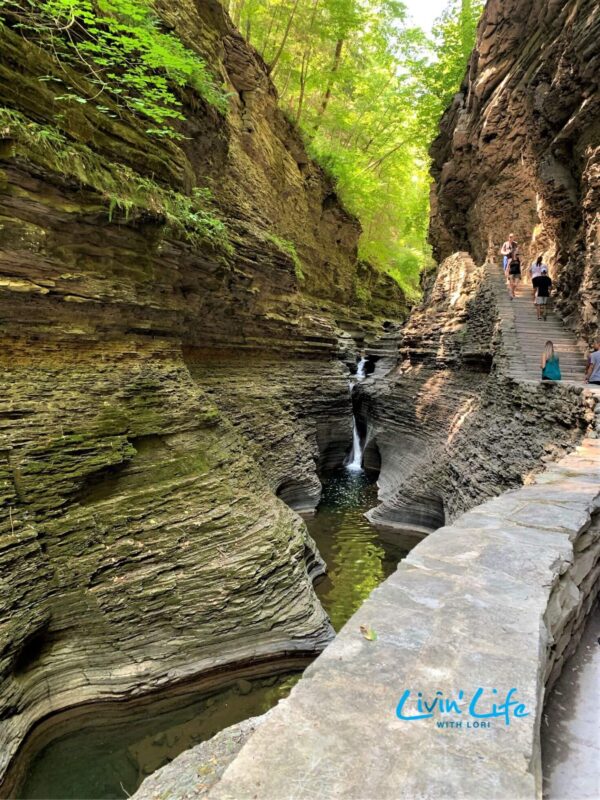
pixel 514 273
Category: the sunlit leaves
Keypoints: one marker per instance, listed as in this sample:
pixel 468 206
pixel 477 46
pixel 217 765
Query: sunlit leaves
pixel 368 92
pixel 117 45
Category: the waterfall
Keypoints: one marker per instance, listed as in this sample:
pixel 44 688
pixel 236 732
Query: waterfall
pixel 354 463
pixel 355 460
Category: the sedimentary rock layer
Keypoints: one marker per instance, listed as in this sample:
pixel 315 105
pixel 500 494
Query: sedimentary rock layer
pixel 450 426
pixel 519 148
pixel 141 538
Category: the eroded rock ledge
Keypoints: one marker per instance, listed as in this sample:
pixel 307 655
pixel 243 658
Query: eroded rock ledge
pixel 450 425
pixel 519 149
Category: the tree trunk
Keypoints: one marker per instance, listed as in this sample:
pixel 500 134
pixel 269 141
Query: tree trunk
pixel 237 17
pixel 306 61
pixel 288 27
pixel 337 57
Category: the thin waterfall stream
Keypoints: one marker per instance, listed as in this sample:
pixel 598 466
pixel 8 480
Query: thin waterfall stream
pixel 106 751
pixel 354 463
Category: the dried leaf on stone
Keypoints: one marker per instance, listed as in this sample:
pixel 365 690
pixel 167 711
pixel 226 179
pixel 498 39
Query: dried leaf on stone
pixel 368 632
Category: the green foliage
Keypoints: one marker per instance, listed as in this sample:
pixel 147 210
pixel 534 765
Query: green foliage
pixel 124 191
pixel 441 77
pixel 367 91
pixel 118 47
pixel 289 248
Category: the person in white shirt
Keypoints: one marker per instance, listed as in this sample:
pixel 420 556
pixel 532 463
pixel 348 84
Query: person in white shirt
pixel 536 270
pixel 507 249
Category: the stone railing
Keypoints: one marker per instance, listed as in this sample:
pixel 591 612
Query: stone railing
pixel 495 601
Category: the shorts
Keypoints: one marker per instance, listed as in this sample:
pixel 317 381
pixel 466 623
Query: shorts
pixel 541 301
pixel 514 278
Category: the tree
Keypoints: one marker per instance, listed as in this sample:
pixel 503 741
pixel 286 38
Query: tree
pixel 367 92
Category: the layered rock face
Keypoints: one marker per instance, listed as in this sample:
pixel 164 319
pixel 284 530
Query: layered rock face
pixel 450 426
pixel 141 538
pixel 519 149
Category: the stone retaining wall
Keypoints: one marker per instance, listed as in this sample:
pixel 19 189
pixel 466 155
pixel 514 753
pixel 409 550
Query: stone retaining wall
pixel 495 600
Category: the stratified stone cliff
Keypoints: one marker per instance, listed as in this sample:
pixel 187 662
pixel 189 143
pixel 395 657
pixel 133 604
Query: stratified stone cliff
pixel 451 426
pixel 519 149
pixel 147 419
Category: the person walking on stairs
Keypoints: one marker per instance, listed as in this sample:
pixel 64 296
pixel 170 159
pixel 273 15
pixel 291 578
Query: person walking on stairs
pixel 550 363
pixel 542 285
pixel 535 270
pixel 514 273
pixel 592 373
pixel 507 250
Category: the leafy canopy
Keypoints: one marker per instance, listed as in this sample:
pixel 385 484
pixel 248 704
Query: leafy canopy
pixel 367 91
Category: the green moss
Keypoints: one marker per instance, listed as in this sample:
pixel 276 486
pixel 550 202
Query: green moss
pixel 362 294
pixel 124 191
pixel 289 248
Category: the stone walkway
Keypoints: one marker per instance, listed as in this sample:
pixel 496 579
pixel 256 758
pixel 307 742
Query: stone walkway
pixel 526 336
pixel 571 724
pixel 494 601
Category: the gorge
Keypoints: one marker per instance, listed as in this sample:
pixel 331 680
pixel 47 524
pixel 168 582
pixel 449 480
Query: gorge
pixel 180 322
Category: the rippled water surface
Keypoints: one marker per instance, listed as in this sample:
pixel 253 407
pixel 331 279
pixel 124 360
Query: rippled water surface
pixel 358 557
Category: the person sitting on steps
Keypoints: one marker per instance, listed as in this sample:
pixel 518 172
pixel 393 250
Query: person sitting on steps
pixel 592 372
pixel 542 285
pixel 507 250
pixel 550 363
pixel 514 273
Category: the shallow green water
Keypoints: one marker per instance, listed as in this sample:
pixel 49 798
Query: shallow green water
pixel 357 556
pixel 107 756
pixel 107 752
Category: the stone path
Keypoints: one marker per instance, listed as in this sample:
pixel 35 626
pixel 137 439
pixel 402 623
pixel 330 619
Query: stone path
pixel 571 726
pixel 529 335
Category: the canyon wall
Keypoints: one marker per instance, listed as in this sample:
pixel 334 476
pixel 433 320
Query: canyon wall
pixel 451 425
pixel 160 386
pixel 519 148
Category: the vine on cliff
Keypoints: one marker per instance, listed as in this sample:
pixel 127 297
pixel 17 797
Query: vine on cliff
pixel 119 50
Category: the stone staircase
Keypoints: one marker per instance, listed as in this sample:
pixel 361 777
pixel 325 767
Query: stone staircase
pixel 530 334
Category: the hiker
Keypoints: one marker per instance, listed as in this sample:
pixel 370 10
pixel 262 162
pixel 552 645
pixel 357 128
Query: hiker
pixel 507 250
pixel 592 372
pixel 514 273
pixel 542 285
pixel 550 364
pixel 535 270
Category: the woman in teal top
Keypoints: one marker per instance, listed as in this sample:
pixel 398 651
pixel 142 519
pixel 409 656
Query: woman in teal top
pixel 550 365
